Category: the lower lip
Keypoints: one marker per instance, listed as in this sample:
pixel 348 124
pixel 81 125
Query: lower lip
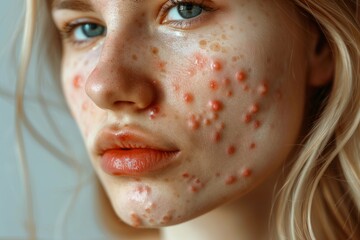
pixel 135 161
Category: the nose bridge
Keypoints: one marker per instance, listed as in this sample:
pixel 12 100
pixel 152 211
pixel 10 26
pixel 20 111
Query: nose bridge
pixel 116 80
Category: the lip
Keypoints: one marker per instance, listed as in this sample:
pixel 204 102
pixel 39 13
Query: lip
pixel 133 152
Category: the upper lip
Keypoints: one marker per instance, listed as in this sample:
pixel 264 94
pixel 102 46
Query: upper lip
pixel 127 138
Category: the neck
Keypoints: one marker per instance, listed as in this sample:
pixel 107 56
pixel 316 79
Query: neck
pixel 245 218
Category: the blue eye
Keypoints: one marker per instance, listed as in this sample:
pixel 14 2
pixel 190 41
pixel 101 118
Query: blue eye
pixel 185 11
pixel 88 30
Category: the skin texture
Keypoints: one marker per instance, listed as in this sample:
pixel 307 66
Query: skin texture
pixel 225 91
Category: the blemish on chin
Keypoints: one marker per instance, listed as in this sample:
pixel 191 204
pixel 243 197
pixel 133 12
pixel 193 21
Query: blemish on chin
pixel 136 221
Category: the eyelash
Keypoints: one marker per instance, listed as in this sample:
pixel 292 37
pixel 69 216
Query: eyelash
pixel 67 31
pixel 186 23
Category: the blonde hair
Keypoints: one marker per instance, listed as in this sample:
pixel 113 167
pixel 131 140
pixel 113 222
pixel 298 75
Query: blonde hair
pixel 323 183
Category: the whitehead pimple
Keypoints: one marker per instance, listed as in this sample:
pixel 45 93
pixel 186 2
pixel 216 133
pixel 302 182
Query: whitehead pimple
pixel 154 112
pixel 216 66
pixel 246 172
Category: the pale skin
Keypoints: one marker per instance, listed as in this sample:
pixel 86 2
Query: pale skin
pixel 225 89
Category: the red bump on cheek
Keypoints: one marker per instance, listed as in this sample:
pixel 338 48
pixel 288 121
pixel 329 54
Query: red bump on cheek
pixel 193 122
pixel 247 118
pixel 241 76
pixel 188 98
pixel 215 105
pixel 263 89
pixel 216 137
pixel 230 180
pixel 214 85
pixel 77 82
pixel 246 172
pixel 231 150
pixel 216 66
pixel 254 108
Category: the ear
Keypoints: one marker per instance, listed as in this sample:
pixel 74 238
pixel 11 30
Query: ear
pixel 321 70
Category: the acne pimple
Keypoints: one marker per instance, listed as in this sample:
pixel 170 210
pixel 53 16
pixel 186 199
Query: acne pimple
pixel 135 220
pixel 247 118
pixel 216 136
pixel 185 175
pixel 193 122
pixel 188 98
pixel 166 219
pixel 257 124
pixel 161 65
pixel 229 93
pixel 214 85
pixel 77 82
pixel 230 180
pixel 252 145
pixel 216 66
pixel 246 172
pixel 215 105
pixel 263 89
pixel 241 76
pixel 254 108
pixel 154 112
pixel 230 150
pixel 226 82
pixel 85 106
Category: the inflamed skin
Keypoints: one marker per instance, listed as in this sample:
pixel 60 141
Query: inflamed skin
pixel 185 110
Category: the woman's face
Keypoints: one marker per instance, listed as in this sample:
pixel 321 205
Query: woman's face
pixel 183 105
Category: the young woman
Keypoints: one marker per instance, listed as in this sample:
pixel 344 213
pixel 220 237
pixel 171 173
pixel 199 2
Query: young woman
pixel 209 118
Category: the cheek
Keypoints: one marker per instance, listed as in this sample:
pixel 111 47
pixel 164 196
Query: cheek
pixel 81 106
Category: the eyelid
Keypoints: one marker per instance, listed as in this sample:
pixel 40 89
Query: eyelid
pixel 206 5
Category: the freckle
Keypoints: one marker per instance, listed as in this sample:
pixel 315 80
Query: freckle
pixel 263 89
pixel 153 112
pixel 77 82
pixel 217 174
pixel 247 118
pixel 188 98
pixel 216 66
pixel 214 85
pixel 203 43
pixel 246 172
pixel 135 220
pixel 216 137
pixel 257 124
pixel 254 108
pixel 230 180
pixel 154 50
pixel 224 37
pixel 235 58
pixel 252 145
pixel 215 105
pixel 134 57
pixel 231 150
pixel 215 47
pixel 241 76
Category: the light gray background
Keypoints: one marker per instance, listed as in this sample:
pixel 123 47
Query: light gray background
pixel 53 183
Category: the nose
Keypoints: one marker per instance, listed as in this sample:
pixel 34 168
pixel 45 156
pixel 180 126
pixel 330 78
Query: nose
pixel 115 82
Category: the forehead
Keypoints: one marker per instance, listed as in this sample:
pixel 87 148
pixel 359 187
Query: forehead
pixel 84 5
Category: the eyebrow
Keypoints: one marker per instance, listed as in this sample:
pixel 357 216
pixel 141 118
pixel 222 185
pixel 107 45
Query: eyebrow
pixel 77 5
